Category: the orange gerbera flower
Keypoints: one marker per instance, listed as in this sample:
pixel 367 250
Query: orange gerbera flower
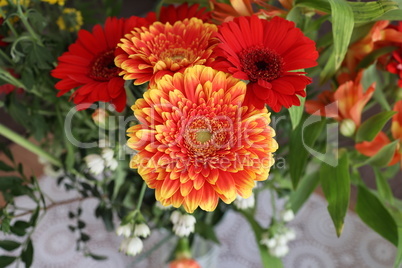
pixel 197 143
pixel 371 148
pixel 222 12
pixel 349 101
pixel 147 54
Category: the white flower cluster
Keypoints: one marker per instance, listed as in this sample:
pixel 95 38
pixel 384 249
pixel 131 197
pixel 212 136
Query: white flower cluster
pixel 287 215
pixel 132 243
pixel 183 224
pixel 278 243
pixel 98 163
pixel 244 203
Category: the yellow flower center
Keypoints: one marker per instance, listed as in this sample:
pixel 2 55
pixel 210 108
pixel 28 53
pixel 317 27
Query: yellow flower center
pixel 203 136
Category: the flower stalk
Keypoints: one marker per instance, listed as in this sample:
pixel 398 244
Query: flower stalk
pixel 22 141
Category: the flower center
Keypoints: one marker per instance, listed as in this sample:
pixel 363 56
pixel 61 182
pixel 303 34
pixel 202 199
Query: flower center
pixel 261 63
pixel 204 136
pixel 103 67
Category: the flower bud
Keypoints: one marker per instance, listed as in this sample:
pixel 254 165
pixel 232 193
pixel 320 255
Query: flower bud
pixel 287 215
pixel 101 118
pixel 184 263
pixel 348 127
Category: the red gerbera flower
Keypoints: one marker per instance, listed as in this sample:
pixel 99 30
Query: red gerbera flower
pixel 89 64
pixel 266 53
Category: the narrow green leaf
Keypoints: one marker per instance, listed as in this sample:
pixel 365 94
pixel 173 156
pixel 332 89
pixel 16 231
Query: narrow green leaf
pixel 375 215
pixel 5 167
pixel 335 182
pixel 369 11
pixel 370 76
pixel 372 126
pixel 321 5
pixel 27 254
pixel 6 151
pixel 392 15
pixel 97 257
pixel 268 261
pixel 298 153
pixel 342 28
pixel 9 245
pixel 373 56
pixel 383 157
pixel 384 190
pixel 6 260
pixel 296 112
pixel 9 182
pixel 306 187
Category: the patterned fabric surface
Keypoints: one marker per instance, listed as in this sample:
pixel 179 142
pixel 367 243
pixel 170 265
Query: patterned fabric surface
pixel 316 245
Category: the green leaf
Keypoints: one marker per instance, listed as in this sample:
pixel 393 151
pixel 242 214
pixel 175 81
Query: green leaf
pixel 97 257
pixel 392 15
pixel 375 215
pixel 19 228
pixel 298 153
pixel 6 151
pixel 9 245
pixel 296 112
pixel 10 182
pixel 27 254
pixel 342 28
pixel 6 260
pixel 85 237
pixel 306 187
pixel 321 5
pixel 384 190
pixel 335 182
pixel 373 56
pixel 369 11
pixel 5 167
pixel 383 157
pixel 268 261
pixel 372 126
pixel 370 76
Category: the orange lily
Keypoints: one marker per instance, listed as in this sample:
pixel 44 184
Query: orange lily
pixel 222 12
pixel 349 101
pixel 379 36
pixel 370 148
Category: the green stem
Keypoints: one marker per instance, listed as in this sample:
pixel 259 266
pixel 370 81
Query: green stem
pixel 141 197
pixel 130 97
pixel 6 76
pixel 6 57
pixel 31 31
pixel 20 140
pixel 9 24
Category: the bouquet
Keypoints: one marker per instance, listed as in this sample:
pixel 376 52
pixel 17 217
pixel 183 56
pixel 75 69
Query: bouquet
pixel 175 117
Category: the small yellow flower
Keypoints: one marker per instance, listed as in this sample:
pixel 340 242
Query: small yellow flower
pixel 71 20
pixel 53 2
pixel 4 3
pixel 22 2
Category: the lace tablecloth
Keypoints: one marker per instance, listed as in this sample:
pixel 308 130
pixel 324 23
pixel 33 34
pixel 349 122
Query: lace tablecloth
pixel 316 245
